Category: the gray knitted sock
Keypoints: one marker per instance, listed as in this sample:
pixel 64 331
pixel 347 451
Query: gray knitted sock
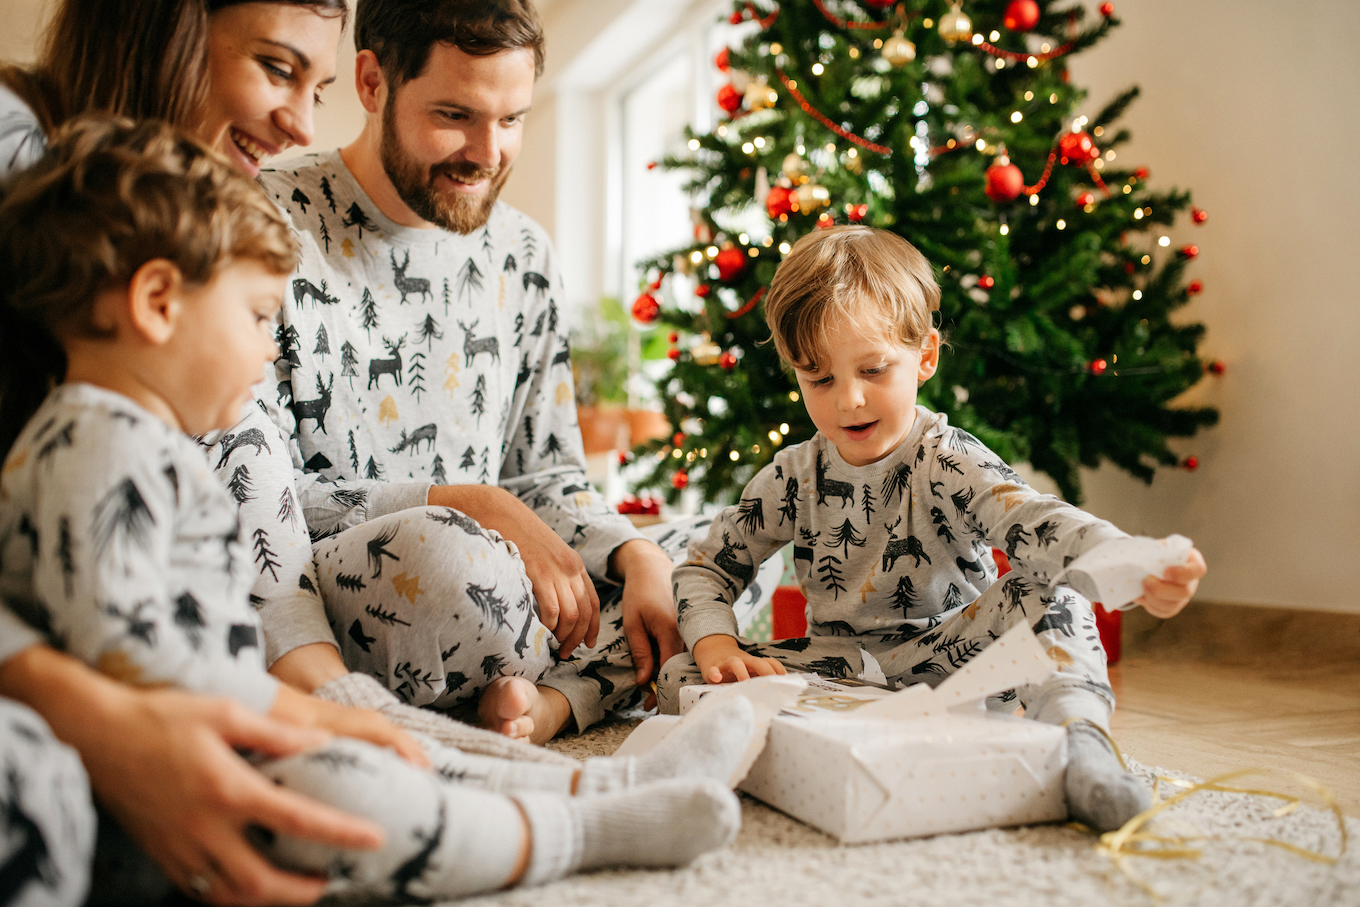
pixel 1100 793
pixel 707 744
pixel 664 824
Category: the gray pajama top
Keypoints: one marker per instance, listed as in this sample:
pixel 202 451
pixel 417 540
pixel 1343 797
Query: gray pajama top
pixel 119 547
pixel 880 550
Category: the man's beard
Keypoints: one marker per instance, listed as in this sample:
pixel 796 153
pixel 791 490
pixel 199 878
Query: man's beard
pixel 455 211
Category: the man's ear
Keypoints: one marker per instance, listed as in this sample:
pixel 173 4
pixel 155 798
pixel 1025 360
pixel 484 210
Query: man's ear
pixel 930 356
pixel 369 81
pixel 155 299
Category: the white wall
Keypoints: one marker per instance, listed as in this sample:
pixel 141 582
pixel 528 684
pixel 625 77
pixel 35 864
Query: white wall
pixel 1248 103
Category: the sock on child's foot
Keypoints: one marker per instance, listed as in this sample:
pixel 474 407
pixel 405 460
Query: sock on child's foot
pixel 708 745
pixel 1100 793
pixel 665 824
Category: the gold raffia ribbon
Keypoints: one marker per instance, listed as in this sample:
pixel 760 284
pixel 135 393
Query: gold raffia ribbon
pixel 1132 841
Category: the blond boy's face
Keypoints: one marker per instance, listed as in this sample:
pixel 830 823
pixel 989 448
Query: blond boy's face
pixel 223 338
pixel 863 396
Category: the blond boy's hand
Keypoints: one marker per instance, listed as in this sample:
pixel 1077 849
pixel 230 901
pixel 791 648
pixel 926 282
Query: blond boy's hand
pixel 307 711
pixel 721 660
pixel 1166 596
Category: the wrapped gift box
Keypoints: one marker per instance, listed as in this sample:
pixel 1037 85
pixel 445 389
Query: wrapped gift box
pixel 867 764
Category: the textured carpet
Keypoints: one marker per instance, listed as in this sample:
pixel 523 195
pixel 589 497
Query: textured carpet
pixel 779 861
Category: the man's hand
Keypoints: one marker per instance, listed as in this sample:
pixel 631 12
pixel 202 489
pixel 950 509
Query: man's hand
pixel 301 710
pixel 648 607
pixel 567 603
pixel 721 660
pixel 1164 597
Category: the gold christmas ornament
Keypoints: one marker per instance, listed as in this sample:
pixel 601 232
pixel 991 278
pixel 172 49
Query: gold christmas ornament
pixel 706 352
pixel 811 197
pixel 897 50
pixel 759 95
pixel 955 26
pixel 795 167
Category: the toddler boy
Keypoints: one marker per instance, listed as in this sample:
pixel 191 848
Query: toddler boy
pixel 893 514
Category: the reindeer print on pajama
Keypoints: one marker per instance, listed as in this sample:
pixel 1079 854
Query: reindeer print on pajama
pixel 895 560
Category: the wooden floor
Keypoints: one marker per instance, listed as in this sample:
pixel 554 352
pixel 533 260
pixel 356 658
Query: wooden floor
pixel 1222 687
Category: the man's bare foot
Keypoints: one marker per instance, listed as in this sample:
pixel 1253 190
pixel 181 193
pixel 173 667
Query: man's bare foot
pixel 516 708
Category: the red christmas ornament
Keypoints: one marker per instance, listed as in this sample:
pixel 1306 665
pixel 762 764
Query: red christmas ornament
pixel 673 354
pixel 677 439
pixel 673 337
pixel 1188 251
pixel 779 202
pixel 736 17
pixel 729 98
pixel 646 308
pixel 1021 15
pixel 1077 148
pixel 625 458
pixel 986 281
pixel 1005 182
pixel 1086 198
pixel 825 221
pixel 723 60
pixel 731 263
pixel 1216 367
pixel 651 165
pixel 856 213
pixel 1141 173
pixel 1107 10
pixel 1098 367
pixel 680 480
pixel 702 290
pixel 1190 464
pixel 727 361
pixel 1199 215
pixel 1194 288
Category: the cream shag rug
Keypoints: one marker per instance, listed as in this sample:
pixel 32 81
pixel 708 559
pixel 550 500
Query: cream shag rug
pixel 778 861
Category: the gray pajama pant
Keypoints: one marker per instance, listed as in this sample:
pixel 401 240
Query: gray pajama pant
pixel 47 831
pixel 436 608
pixel 1063 621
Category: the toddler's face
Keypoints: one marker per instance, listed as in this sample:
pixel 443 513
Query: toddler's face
pixel 863 395
pixel 223 339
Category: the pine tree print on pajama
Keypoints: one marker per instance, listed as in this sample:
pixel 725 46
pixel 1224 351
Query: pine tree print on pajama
pixel 895 560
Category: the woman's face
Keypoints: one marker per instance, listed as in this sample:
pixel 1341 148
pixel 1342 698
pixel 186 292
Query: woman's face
pixel 267 65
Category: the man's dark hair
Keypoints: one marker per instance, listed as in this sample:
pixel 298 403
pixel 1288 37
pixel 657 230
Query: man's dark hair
pixel 401 32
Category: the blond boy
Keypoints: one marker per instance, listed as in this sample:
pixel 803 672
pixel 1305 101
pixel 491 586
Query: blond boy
pixel 893 514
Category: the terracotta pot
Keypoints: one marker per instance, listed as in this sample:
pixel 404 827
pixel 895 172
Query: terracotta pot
pixel 647 424
pixel 603 428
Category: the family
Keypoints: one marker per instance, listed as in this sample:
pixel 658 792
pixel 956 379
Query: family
pixel 267 640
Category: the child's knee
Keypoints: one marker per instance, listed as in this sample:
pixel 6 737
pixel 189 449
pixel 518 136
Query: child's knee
pixel 680 670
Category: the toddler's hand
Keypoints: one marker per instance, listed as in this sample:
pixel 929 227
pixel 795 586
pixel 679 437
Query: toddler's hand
pixel 1165 597
pixel 721 660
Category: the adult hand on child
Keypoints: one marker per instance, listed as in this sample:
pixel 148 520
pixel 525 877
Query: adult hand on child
pixel 302 710
pixel 567 603
pixel 648 607
pixel 1165 596
pixel 164 764
pixel 721 660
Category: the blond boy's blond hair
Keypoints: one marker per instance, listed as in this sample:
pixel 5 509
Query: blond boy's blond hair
pixel 849 276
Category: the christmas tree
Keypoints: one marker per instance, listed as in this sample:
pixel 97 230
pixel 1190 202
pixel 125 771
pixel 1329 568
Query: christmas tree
pixel 956 127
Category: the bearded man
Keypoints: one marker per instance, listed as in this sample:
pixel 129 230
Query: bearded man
pixel 424 390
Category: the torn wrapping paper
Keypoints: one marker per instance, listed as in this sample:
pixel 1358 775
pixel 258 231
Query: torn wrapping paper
pixel 866 764
pixel 1112 573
